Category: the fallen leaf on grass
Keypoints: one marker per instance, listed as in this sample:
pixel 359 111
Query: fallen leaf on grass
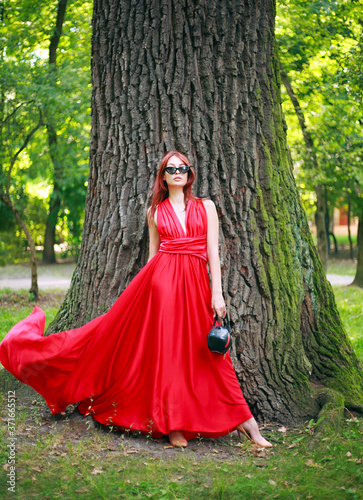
pixel 132 451
pixel 311 463
pixel 215 451
pixel 272 482
pixel 82 490
pixel 97 471
pixel 348 454
pixel 167 447
pixel 292 446
pixel 282 429
pixel 36 469
pixel 248 476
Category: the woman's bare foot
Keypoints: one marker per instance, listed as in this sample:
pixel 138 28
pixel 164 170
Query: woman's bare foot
pixel 250 429
pixel 177 438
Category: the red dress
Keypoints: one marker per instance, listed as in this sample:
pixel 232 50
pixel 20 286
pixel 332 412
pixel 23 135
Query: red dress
pixel 144 365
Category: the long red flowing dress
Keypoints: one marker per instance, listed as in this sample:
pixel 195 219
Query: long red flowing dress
pixel 144 365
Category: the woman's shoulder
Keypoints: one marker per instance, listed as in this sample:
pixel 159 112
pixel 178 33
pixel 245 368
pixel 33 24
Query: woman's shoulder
pixel 208 204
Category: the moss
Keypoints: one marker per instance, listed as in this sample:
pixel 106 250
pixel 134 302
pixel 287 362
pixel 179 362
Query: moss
pixel 332 403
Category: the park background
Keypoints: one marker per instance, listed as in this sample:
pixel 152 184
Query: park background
pixel 45 115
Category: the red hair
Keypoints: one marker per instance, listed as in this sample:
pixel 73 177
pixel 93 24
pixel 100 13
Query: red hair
pixel 161 190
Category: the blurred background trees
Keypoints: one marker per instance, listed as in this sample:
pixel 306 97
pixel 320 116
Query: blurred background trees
pixel 320 48
pixel 44 69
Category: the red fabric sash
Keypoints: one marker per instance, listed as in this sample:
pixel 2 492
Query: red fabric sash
pixel 191 245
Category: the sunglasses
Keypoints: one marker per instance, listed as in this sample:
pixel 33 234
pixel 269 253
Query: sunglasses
pixel 183 169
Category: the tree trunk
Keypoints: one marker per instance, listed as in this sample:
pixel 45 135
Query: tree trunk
pixel 204 79
pixel 321 229
pixel 349 223
pixel 358 280
pixel 33 261
pixel 320 226
pixel 55 198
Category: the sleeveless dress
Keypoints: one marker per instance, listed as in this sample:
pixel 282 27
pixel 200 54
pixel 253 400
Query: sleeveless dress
pixel 160 377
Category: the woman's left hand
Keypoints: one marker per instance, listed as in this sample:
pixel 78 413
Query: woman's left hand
pixel 218 305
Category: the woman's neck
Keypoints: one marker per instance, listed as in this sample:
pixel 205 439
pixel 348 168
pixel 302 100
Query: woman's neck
pixel 176 196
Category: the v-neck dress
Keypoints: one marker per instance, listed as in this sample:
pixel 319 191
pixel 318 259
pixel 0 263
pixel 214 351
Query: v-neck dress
pixel 145 364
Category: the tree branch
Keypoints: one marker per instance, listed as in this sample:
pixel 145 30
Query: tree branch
pixel 54 41
pixel 12 113
pixel 25 143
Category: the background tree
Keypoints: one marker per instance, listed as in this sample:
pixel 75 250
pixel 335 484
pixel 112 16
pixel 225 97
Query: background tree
pixel 65 102
pixel 204 79
pixel 317 42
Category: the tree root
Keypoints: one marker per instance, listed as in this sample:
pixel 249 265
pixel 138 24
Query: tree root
pixel 331 413
pixel 354 407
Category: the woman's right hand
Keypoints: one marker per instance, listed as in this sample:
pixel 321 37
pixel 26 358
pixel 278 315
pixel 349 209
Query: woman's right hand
pixel 218 305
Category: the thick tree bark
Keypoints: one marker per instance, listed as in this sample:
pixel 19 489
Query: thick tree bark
pixel 358 279
pixel 55 198
pixel 204 79
pixel 321 229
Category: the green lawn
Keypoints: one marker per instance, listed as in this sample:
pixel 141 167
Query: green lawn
pixel 104 465
pixel 342 266
pixel 350 305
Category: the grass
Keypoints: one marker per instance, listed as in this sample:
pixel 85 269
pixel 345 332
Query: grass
pixel 350 305
pixel 104 465
pixel 343 267
pixel 15 305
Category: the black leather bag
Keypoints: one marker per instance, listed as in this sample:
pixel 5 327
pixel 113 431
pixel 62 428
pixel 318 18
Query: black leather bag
pixel 219 338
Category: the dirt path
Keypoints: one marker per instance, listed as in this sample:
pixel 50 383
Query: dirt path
pixel 58 276
pixel 50 277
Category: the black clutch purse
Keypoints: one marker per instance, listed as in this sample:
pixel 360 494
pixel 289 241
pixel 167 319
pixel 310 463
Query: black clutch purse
pixel 219 338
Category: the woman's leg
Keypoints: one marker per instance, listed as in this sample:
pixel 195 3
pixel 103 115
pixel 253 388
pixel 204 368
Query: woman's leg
pixel 253 431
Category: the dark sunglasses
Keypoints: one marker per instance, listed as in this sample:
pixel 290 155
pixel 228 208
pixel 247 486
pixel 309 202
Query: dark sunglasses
pixel 182 169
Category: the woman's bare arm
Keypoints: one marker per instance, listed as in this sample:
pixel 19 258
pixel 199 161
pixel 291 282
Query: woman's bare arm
pixel 218 304
pixel 154 237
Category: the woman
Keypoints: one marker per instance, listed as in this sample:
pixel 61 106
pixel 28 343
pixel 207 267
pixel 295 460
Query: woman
pixel 144 365
pixel 173 194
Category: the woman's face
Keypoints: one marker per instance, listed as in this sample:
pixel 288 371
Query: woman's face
pixel 177 179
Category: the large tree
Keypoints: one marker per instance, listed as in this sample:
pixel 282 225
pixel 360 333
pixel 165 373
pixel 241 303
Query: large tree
pixel 203 78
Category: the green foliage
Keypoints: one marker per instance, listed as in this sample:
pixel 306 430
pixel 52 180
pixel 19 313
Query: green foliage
pixel 320 47
pixel 62 95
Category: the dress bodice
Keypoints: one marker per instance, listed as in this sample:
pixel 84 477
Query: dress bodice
pixel 173 238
